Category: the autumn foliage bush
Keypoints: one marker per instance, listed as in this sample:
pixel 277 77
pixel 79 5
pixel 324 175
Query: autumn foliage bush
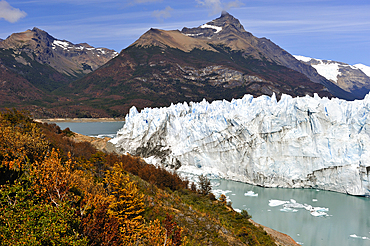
pixel 55 191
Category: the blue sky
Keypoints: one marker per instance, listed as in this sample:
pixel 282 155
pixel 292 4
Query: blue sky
pixel 327 29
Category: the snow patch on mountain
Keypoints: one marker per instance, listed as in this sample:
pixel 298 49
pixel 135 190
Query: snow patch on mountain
pixel 327 68
pixel 68 46
pixel 63 44
pixel 331 69
pixel 365 69
pixel 217 28
pixel 303 58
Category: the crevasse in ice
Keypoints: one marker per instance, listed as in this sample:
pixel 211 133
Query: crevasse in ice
pixel 295 142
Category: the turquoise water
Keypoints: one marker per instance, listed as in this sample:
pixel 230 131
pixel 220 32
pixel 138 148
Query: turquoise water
pixel 346 215
pixel 347 223
pixel 94 129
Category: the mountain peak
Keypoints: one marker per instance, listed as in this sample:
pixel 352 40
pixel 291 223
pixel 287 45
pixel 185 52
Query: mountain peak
pixel 35 29
pixel 224 12
pixel 227 19
pixel 224 24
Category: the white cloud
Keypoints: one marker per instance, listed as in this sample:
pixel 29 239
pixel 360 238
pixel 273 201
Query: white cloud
pixel 163 14
pixel 9 13
pixel 216 6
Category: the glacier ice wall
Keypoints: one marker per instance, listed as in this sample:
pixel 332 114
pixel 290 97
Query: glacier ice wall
pixel 295 143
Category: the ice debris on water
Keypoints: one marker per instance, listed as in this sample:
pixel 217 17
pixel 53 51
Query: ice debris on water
pixel 250 193
pixel 293 206
pixel 275 203
pixel 359 237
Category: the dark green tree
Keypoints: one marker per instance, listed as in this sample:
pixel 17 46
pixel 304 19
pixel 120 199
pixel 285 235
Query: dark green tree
pixel 204 185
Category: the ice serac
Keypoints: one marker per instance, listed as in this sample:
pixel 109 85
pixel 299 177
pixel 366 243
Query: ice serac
pixel 295 143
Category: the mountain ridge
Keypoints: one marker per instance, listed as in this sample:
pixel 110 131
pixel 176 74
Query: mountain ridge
pixel 216 60
pixel 223 62
pixel 33 64
pixel 49 50
pixel 354 79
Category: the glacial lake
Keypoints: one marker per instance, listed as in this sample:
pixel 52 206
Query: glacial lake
pixel 93 129
pixel 347 219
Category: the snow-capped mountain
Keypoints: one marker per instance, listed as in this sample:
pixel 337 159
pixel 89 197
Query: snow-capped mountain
pixel 67 46
pixel 303 142
pixel 351 78
pixel 67 58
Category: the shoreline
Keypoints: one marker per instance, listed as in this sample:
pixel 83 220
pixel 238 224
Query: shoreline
pixel 79 120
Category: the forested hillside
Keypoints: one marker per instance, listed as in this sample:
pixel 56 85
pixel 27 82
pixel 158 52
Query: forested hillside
pixel 55 191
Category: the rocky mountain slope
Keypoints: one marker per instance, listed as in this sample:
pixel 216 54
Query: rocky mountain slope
pixel 354 79
pixel 33 64
pixel 218 60
pixel 69 59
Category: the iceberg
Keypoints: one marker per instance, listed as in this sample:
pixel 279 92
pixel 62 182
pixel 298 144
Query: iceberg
pixel 292 206
pixel 302 142
pixel 250 193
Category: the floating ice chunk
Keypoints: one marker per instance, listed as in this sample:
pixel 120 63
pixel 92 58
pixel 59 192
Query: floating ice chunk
pixel 359 237
pixel 250 193
pixel 286 209
pixel 293 205
pixel 318 214
pixel 314 200
pixel 321 209
pixel 275 203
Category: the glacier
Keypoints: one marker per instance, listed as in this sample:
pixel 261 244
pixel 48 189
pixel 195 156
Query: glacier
pixel 302 142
